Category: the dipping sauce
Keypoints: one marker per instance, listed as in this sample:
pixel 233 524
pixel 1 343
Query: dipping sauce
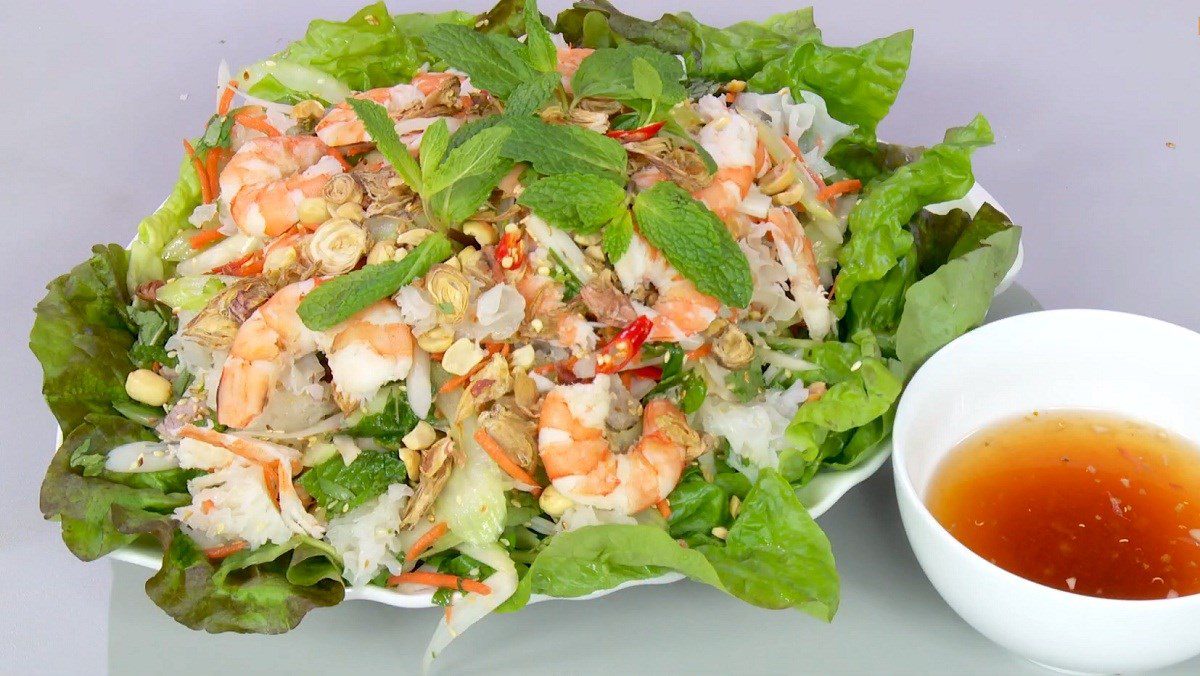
pixel 1084 502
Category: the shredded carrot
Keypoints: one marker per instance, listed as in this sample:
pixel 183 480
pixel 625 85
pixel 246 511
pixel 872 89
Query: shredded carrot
pixel 201 174
pixel 664 507
pixel 443 580
pixel 247 266
pixel 700 352
pixel 257 123
pixel 226 97
pixel 506 463
pixel 210 169
pixel 426 541
pixel 800 156
pixel 222 551
pixel 449 613
pixel 207 506
pixel 839 188
pixel 337 155
pixel 204 238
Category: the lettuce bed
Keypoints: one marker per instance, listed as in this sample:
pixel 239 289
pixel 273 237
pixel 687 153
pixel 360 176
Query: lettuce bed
pixel 909 282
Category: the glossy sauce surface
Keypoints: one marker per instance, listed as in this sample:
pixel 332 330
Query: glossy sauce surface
pixel 1080 501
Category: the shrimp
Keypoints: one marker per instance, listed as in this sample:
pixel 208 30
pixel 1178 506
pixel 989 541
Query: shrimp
pixel 341 125
pixel 732 141
pixel 255 361
pixel 582 464
pixel 575 333
pixel 795 251
pixel 366 351
pixel 267 178
pixel 278 463
pixel 569 59
pixel 372 348
pixel 681 310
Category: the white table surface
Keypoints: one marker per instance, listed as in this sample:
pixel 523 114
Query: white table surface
pixel 1095 106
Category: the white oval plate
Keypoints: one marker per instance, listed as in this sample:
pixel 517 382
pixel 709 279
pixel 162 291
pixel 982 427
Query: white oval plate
pixel 820 494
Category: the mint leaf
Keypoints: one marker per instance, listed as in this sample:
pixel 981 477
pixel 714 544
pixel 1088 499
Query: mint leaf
pixel 577 203
pixel 646 80
pixel 695 242
pixel 339 488
pixel 338 299
pixel 379 125
pixel 552 148
pixel 434 143
pixel 529 96
pixel 476 156
pixel 610 73
pixel 563 149
pixel 617 236
pixel 387 417
pixel 542 52
pixel 496 63
pixel 463 198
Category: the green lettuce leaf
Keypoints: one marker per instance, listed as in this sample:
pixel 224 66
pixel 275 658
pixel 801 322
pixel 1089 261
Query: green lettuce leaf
pixel 859 84
pixel 699 505
pixel 368 50
pixel 956 297
pixel 85 498
pixel 265 591
pixel 82 338
pixel 145 255
pixel 878 237
pixel 862 389
pixel 953 300
pixel 775 556
pixel 709 53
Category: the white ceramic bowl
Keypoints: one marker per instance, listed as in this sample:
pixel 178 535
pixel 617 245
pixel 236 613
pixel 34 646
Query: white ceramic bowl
pixel 1064 359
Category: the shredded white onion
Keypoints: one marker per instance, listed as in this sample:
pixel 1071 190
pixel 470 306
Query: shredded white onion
pixel 140 456
pixel 471 608
pixel 420 387
pixel 330 424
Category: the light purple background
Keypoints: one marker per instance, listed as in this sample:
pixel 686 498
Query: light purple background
pixel 1085 97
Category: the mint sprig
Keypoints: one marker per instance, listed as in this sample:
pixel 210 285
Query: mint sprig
pixel 379 125
pixel 341 297
pixel 496 63
pixel 577 203
pixel 628 73
pixel 695 242
pixel 452 183
pixel 543 55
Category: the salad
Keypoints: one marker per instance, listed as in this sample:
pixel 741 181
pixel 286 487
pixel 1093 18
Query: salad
pixel 492 306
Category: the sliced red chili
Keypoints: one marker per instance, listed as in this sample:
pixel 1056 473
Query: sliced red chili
pixel 639 134
pixel 621 349
pixel 648 372
pixel 510 252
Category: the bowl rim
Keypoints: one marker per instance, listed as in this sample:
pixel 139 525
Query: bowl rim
pixel 907 492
